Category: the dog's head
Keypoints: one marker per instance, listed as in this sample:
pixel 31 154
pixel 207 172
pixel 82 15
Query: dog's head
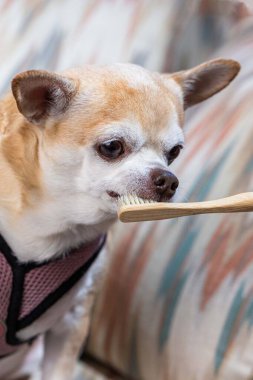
pixel 111 130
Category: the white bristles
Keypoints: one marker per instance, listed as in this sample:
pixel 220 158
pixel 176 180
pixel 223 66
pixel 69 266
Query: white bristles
pixel 132 199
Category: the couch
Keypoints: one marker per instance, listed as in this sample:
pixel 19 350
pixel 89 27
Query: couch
pixel 176 301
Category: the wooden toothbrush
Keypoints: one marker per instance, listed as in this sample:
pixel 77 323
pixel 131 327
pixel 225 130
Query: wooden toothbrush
pixel 134 209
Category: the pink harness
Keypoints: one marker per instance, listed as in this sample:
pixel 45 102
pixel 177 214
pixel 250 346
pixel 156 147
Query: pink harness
pixel 27 291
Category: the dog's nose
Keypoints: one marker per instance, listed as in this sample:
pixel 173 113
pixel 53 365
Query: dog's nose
pixel 165 183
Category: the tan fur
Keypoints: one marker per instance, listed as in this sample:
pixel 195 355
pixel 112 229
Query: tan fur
pixel 18 156
pixel 149 105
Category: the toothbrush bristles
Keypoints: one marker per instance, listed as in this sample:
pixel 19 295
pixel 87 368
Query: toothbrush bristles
pixel 132 199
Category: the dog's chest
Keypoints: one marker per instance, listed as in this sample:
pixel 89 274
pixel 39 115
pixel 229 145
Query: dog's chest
pixel 30 292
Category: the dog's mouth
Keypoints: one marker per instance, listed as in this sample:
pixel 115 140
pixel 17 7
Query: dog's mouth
pixel 116 196
pixel 113 194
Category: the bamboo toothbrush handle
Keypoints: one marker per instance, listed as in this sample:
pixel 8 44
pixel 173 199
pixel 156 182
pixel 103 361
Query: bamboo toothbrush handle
pixel 155 211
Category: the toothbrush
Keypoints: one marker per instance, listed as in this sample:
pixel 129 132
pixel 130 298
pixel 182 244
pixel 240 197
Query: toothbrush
pixel 135 209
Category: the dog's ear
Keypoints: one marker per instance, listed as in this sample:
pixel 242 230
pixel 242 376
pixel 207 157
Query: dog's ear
pixel 205 80
pixel 41 94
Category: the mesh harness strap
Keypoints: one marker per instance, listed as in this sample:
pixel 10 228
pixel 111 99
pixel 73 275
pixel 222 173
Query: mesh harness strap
pixel 34 288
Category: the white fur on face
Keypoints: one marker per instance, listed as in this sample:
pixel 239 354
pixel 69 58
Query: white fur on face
pixel 76 206
pixel 90 177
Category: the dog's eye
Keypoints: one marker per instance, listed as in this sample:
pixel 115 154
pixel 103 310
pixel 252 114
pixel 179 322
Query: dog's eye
pixel 111 149
pixel 173 153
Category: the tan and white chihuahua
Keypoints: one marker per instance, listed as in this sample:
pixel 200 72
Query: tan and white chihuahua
pixel 70 145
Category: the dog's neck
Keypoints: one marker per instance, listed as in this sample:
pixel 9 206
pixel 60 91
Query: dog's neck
pixel 38 237
pixel 38 222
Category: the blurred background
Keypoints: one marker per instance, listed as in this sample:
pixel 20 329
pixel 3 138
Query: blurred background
pixel 177 299
pixel 157 34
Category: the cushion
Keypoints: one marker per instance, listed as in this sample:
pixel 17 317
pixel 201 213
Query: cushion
pixel 149 320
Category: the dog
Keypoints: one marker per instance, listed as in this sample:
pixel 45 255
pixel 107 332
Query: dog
pixel 71 144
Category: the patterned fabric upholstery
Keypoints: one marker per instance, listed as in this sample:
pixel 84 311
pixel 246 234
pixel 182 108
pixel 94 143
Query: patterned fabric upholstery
pixel 59 34
pixel 177 302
